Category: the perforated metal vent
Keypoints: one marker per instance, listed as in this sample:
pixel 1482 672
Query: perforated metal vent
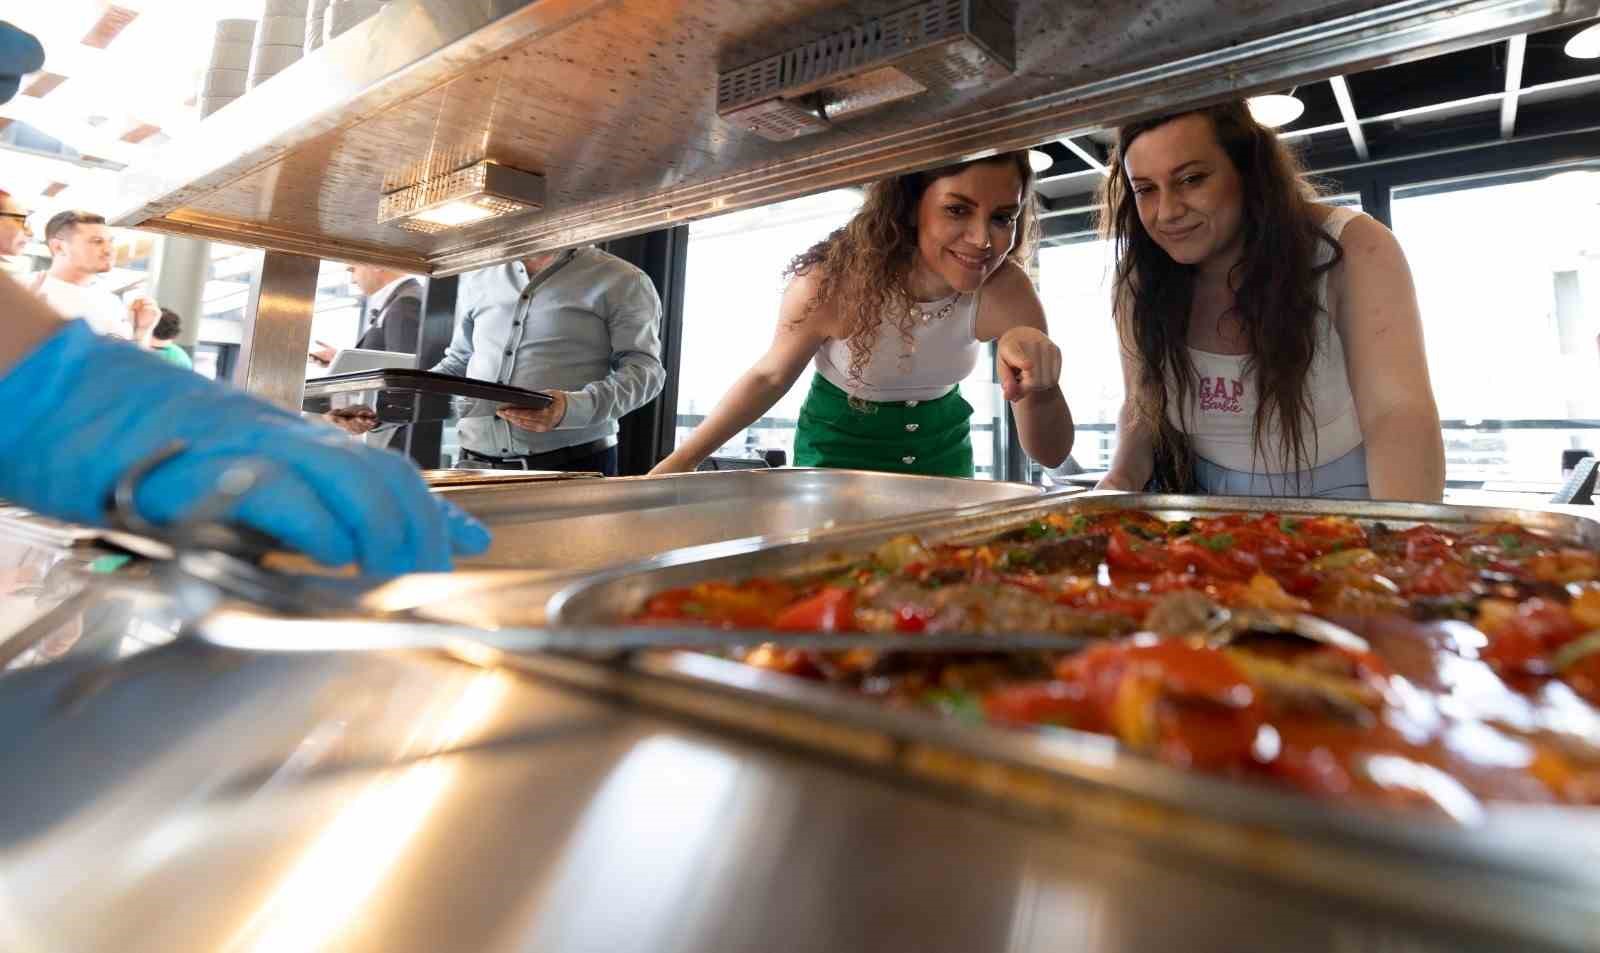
pixel 939 44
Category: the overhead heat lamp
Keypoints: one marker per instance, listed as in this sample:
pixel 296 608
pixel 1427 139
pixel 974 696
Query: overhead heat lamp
pixel 468 195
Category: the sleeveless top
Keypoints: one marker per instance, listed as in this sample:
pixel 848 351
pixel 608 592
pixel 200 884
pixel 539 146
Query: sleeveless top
pixel 1221 411
pixel 943 353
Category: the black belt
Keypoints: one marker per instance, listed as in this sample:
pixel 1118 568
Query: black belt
pixel 549 460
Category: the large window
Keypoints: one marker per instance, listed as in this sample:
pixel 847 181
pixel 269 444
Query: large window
pixel 1508 278
pixel 1075 286
pixel 735 282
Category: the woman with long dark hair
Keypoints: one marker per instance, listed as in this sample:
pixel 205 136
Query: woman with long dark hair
pixel 892 309
pixel 1271 343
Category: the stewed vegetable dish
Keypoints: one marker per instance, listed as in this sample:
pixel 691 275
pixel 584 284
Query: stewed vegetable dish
pixel 1423 665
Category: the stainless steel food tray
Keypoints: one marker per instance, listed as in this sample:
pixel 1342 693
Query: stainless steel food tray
pixel 439 479
pixel 1527 873
pixel 587 524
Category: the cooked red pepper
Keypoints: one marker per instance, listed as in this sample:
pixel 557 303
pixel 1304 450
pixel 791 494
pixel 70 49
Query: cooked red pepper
pixel 831 610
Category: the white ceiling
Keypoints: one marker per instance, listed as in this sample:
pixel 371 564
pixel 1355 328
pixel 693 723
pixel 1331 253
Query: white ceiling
pixel 144 76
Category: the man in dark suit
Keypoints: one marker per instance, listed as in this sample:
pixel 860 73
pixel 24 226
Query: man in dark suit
pixel 394 312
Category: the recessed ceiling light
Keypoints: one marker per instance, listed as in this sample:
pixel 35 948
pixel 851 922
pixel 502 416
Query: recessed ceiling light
pixel 1586 44
pixel 1040 160
pixel 456 199
pixel 1275 109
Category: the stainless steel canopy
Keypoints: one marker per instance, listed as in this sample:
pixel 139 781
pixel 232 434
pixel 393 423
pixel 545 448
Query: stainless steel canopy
pixel 614 103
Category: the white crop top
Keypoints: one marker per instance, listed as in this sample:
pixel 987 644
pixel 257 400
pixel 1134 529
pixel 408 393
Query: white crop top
pixel 1221 413
pixel 944 352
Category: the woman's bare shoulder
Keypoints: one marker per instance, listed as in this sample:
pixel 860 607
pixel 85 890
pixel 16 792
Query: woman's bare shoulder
pixel 802 305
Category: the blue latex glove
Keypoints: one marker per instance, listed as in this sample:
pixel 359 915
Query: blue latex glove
pixel 81 410
pixel 20 53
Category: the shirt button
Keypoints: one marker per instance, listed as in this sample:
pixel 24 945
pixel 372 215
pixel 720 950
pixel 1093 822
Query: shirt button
pixel 516 324
pixel 912 403
pixel 508 352
pixel 912 428
pixel 908 461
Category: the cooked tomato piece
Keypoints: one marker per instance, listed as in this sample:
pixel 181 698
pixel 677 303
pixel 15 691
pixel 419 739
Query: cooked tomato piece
pixel 1189 704
pixel 1317 762
pixel 1205 735
pixel 1425 544
pixel 911 619
pixel 751 604
pixel 831 610
pixel 1441 577
pixel 1042 703
pixel 1520 640
pixel 1326 533
pixel 1213 555
pixel 1128 552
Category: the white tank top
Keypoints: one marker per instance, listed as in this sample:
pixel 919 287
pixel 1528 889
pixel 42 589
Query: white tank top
pixel 943 353
pixel 1221 414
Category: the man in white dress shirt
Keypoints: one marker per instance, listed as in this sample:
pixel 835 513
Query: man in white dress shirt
pixel 81 250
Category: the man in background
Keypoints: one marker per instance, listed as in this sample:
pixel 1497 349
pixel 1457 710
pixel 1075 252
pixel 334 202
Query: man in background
pixel 163 340
pixel 582 325
pixel 14 231
pixel 81 250
pixel 394 312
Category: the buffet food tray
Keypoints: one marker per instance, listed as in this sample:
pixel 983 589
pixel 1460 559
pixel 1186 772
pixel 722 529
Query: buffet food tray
pixel 1526 872
pixel 458 477
pixel 589 524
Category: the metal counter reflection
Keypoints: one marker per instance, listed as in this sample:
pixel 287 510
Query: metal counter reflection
pixel 325 889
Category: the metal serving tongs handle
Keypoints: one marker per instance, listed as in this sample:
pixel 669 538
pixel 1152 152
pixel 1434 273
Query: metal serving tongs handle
pixel 205 526
pixel 242 630
pixel 215 560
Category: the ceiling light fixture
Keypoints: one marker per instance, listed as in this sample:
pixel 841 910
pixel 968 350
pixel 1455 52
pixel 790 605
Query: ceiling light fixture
pixel 1585 45
pixel 1040 160
pixel 1275 109
pixel 476 193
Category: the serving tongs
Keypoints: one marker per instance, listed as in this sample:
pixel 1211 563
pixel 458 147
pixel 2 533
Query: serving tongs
pixel 251 632
pixel 405 630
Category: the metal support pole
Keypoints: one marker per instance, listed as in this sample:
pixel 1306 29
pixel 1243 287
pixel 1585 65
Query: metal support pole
pixel 277 329
pixel 181 268
pixel 650 432
pixel 424 442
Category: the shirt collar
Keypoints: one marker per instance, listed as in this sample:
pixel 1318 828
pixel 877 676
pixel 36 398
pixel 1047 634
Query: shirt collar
pixel 524 275
pixel 379 299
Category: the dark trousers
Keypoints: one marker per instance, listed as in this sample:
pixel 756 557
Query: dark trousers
pixel 600 461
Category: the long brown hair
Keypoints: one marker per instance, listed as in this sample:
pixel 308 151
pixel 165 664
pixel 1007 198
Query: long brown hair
pixel 862 266
pixel 1274 285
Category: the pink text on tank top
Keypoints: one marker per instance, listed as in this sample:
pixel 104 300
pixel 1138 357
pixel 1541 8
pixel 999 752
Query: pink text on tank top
pixel 1220 395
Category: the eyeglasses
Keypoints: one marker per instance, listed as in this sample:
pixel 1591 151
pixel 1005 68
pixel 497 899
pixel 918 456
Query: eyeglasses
pixel 19 216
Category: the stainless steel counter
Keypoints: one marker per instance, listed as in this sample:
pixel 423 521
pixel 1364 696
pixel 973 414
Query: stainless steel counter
pixel 198 800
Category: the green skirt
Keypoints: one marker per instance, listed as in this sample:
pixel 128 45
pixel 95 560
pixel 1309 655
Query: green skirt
pixel 930 437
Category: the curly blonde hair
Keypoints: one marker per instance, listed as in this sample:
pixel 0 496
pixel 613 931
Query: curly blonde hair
pixel 862 266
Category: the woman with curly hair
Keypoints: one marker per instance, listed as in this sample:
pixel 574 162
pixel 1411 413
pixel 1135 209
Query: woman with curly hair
pixel 1271 344
pixel 892 309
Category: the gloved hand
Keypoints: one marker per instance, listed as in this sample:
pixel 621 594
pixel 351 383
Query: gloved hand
pixel 81 410
pixel 20 53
